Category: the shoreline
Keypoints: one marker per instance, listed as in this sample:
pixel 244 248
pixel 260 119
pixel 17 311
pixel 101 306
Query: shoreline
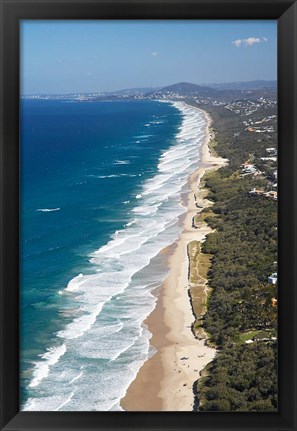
pixel 165 381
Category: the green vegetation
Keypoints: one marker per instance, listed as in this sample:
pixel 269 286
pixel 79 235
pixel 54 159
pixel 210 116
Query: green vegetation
pixel 242 305
pixel 244 248
pixel 240 378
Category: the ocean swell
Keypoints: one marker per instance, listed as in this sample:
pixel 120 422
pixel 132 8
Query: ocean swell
pixel 100 351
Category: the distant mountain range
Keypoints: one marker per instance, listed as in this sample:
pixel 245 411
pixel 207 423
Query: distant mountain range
pixel 220 92
pixel 250 85
pixel 209 90
pixel 226 91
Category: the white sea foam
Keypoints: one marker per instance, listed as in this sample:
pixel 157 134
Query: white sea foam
pixel 81 324
pixel 51 357
pixel 131 222
pixel 31 404
pixel 114 176
pixel 106 333
pixel 65 402
pixel 73 284
pixel 157 122
pixel 122 162
pixel 48 210
pixel 76 377
pixel 50 403
pixel 143 137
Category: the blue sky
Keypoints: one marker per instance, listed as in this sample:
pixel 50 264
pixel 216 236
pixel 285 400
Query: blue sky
pixel 59 57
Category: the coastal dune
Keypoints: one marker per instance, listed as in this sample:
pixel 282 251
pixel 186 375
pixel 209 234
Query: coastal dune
pixel 165 381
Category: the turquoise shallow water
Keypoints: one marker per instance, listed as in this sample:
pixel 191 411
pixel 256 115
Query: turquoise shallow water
pixel 101 185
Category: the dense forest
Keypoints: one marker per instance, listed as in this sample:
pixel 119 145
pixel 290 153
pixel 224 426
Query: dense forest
pixel 241 317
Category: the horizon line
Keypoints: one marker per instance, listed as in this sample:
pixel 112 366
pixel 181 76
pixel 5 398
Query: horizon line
pixel 133 88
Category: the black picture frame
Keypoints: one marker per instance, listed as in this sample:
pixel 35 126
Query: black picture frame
pixel 285 11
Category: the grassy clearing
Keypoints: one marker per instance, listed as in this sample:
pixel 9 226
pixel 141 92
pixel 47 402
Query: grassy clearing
pixel 247 336
pixel 199 264
pixel 201 217
pixel 258 334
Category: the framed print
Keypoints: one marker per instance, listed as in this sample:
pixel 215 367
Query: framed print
pixel 148 209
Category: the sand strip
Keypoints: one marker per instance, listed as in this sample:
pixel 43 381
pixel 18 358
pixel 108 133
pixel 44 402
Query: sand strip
pixel 165 381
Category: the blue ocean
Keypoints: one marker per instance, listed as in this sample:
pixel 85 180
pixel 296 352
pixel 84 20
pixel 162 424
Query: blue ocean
pixel 101 196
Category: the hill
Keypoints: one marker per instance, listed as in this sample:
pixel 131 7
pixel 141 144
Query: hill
pixel 188 89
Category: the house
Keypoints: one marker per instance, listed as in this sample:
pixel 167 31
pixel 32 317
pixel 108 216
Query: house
pixel 273 278
pixel 271 195
pixel 248 168
pixel 271 151
pixel 255 192
pixel 272 159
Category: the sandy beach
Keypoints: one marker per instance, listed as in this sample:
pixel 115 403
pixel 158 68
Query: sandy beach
pixel 165 381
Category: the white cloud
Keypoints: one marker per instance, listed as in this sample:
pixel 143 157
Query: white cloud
pixel 250 41
pixel 154 53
